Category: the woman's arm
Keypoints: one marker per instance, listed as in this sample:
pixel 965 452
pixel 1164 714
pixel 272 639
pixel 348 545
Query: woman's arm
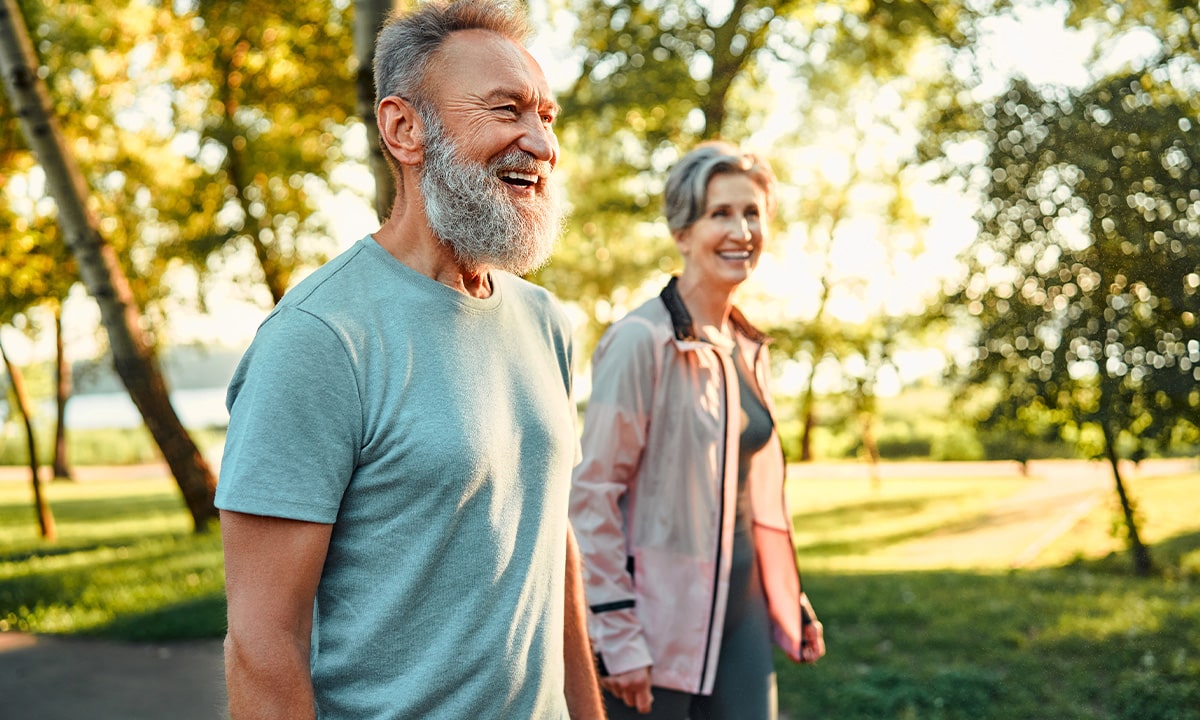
pixel 614 437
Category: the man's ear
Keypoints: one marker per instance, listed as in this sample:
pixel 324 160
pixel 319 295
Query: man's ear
pixel 400 130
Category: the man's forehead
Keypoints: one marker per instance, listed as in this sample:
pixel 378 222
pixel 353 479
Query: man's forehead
pixel 492 64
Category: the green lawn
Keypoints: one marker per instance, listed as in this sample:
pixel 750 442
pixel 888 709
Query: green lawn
pixel 1072 637
pixel 126 564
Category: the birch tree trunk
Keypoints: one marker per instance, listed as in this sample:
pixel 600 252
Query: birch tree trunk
pixel 100 270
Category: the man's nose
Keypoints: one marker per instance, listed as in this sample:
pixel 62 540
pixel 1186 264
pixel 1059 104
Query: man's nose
pixel 539 140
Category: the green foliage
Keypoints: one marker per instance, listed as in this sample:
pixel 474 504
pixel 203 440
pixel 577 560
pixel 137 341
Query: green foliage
pixel 269 109
pixel 206 132
pixel 658 77
pixel 1085 282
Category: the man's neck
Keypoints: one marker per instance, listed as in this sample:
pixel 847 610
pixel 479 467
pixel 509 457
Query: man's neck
pixel 407 237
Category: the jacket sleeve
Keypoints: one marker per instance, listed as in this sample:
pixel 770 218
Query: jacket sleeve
pixel 603 490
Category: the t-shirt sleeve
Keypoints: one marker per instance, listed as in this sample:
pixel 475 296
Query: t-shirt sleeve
pixel 295 422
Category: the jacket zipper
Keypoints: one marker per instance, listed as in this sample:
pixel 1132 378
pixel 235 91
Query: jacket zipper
pixel 712 610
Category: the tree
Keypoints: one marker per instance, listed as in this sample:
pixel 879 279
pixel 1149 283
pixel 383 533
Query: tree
pixel 262 94
pixel 656 78
pixel 59 464
pixel 41 505
pixel 369 16
pixel 35 268
pixel 1084 285
pixel 100 268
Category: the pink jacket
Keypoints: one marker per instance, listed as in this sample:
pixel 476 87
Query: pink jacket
pixel 654 497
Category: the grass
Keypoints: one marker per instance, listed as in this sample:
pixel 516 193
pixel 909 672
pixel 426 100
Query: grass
pixel 1072 636
pixel 126 564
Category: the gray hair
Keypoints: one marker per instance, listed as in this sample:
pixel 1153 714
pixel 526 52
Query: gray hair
pixel 686 194
pixel 407 42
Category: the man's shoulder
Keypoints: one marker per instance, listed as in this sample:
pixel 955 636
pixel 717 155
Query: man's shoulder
pixel 329 280
pixel 524 289
pixel 531 295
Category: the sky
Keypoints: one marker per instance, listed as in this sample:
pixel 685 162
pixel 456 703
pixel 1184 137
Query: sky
pixel 1032 43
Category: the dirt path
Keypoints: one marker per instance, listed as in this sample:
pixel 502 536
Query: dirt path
pixel 1017 528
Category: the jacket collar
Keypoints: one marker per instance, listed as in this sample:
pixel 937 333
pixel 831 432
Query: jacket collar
pixel 681 319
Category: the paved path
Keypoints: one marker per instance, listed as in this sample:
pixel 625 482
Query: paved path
pixel 46 678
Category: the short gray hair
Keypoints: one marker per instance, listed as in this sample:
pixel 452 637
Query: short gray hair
pixel 407 42
pixel 686 194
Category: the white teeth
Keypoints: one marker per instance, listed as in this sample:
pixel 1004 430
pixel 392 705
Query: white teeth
pixel 736 255
pixel 524 177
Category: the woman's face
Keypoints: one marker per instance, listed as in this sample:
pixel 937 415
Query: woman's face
pixel 723 246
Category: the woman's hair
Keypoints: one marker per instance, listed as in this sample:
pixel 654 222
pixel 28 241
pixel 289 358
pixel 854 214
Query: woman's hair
pixel 687 184
pixel 407 42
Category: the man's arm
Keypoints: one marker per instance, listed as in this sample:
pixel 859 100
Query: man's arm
pixel 583 694
pixel 272 568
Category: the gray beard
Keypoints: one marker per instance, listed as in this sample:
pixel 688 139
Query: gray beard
pixel 470 211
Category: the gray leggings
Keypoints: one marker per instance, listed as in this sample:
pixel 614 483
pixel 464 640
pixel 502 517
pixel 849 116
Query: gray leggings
pixel 745 683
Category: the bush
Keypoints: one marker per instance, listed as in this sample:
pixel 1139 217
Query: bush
pixel 1149 695
pixel 957 443
pixel 128 446
pixel 903 448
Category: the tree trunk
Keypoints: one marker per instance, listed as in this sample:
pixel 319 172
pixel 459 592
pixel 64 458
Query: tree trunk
pixel 40 505
pixel 62 393
pixel 1143 564
pixel 866 422
pixel 100 269
pixel 369 16
pixel 810 421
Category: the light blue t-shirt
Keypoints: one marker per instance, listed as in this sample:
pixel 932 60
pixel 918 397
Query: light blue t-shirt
pixel 437 433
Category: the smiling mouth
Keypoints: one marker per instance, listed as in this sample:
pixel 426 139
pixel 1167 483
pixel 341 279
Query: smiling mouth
pixel 518 179
pixel 735 255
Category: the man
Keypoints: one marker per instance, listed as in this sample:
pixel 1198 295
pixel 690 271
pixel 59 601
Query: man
pixel 394 487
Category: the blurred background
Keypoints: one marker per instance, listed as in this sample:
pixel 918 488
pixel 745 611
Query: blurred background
pixel 983 285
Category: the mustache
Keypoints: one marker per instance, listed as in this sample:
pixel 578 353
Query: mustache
pixel 521 162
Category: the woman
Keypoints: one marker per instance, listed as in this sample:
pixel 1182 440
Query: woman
pixel 678 501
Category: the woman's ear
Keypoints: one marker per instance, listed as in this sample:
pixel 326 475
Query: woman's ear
pixel 400 130
pixel 681 238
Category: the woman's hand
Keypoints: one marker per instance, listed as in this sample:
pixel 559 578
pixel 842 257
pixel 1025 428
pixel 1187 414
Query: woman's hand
pixel 633 688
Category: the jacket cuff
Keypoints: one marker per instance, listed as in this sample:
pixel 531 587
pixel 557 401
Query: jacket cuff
pixel 618 642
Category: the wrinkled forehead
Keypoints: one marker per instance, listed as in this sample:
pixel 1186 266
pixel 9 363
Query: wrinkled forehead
pixel 480 63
